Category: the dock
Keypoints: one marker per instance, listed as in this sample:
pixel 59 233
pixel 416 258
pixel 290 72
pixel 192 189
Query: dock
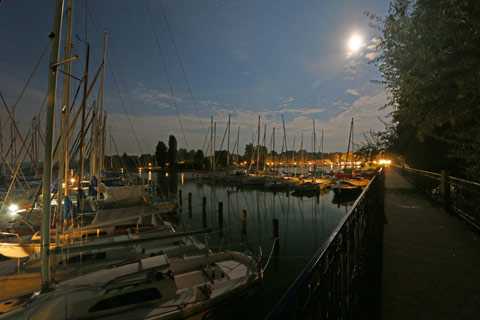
pixel 431 258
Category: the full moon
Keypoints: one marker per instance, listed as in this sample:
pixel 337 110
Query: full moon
pixel 355 43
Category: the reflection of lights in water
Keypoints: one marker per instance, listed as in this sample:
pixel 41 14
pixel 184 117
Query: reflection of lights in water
pixel 182 177
pixel 149 175
pixel 166 174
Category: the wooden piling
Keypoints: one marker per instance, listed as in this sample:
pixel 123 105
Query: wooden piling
pixel 204 212
pixel 275 228
pixel 220 219
pixel 244 221
pixel 180 198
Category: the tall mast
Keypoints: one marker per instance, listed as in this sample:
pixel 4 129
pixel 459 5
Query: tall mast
pixel 65 118
pixel 348 147
pixel 314 155
pixel 285 141
pixel 353 151
pixel 321 150
pixel 264 146
pixel 84 103
pixel 211 144
pixel 228 143
pixel 102 117
pixel 258 144
pixel 273 151
pixel 47 164
pixel 214 138
pixel 238 143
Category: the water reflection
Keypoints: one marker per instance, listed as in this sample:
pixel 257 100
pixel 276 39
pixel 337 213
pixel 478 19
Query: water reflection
pixel 304 222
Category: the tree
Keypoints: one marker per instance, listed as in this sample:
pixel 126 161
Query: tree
pixel 161 154
pixel 198 160
pixel 430 66
pixel 249 150
pixel 172 151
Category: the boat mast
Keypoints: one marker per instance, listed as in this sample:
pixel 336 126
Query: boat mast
pixel 273 151
pixel 65 119
pixel 228 144
pixel 314 155
pixel 264 146
pixel 258 144
pixel 353 152
pixel 102 120
pixel 348 147
pixel 238 143
pixel 82 132
pixel 285 142
pixel 211 143
pixel 47 164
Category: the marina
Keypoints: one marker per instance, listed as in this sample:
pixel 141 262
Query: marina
pixel 168 160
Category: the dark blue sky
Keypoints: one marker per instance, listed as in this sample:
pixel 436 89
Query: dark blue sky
pixel 243 58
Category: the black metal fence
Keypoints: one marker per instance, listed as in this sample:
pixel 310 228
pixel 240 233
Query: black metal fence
pixel 343 279
pixel 456 195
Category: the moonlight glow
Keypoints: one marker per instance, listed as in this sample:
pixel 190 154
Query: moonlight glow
pixel 355 43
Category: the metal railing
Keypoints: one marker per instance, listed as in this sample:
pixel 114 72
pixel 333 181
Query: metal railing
pixel 456 195
pixel 343 279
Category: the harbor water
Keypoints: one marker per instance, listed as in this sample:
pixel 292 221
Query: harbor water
pixel 304 225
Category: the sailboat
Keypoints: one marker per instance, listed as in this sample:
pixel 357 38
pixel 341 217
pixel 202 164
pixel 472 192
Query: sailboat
pixel 152 288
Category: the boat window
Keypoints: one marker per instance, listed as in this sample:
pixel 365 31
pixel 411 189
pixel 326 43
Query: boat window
pixel 86 257
pixel 126 299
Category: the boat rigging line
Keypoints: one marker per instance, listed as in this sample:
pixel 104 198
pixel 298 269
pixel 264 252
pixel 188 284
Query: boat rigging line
pixel 181 66
pixel 166 73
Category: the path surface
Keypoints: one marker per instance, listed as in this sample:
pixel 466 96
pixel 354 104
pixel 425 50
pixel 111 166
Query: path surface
pixel 431 259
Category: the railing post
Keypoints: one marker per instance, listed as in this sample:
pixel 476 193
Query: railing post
pixel 445 190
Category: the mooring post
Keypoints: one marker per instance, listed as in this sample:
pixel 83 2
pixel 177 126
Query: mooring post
pixel 220 218
pixel 244 221
pixel 204 211
pixel 180 198
pixel 275 228
pixel 445 190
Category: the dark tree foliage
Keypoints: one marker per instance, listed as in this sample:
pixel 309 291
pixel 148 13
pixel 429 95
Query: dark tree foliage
pixel 430 64
pixel 198 160
pixel 249 151
pixel 172 151
pixel 146 159
pixel 161 154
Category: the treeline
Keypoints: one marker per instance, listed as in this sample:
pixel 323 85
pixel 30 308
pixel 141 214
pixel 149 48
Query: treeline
pixel 430 52
pixel 169 157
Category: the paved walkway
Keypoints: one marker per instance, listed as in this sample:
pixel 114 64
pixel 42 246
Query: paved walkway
pixel 431 259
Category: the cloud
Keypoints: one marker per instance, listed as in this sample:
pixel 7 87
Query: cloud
pixel 153 97
pixel 373 49
pixel 372 55
pixel 353 92
pixel 285 102
pixel 341 104
pixel 150 129
pixel 366 114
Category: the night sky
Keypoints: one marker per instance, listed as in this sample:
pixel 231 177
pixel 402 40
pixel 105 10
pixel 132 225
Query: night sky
pixel 303 59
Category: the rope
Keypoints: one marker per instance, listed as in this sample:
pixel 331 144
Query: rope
pixel 28 81
pixel 181 65
pixel 271 253
pixel 166 73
